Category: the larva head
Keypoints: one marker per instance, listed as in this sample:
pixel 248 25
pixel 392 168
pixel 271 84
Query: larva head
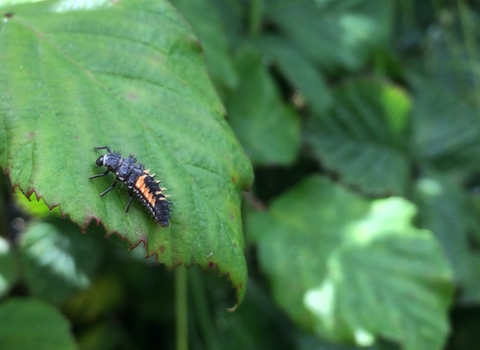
pixel 110 160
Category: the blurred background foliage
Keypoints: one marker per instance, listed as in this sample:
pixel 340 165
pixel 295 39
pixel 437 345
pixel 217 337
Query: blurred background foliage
pixel 362 227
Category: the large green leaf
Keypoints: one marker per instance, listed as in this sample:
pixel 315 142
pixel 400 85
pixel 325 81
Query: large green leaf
pixel 363 138
pixel 354 270
pixel 129 75
pixel 29 324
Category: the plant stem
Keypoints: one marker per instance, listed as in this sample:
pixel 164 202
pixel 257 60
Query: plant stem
pixel 181 307
pixel 202 311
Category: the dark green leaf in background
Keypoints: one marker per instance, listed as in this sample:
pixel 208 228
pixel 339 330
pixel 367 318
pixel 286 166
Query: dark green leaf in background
pixel 29 324
pixel 57 260
pixel 296 236
pixel 209 29
pixel 443 209
pixel 267 128
pixel 446 130
pixel 354 270
pixel 8 267
pixel 129 75
pixel 363 137
pixel 336 34
pixel 387 279
pixel 299 71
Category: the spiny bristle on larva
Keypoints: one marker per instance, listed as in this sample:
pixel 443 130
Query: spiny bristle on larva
pixel 158 181
pixel 163 188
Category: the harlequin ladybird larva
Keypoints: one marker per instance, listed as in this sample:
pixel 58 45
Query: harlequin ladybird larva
pixel 138 180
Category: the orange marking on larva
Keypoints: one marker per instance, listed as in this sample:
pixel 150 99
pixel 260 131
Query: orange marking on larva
pixel 140 185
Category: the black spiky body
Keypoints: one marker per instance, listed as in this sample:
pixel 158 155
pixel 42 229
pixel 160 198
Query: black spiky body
pixel 139 181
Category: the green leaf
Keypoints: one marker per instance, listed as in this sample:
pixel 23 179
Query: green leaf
pixel 363 139
pixel 32 324
pixel 360 269
pixel 268 130
pixel 8 267
pixel 205 19
pixel 301 73
pixel 444 209
pixel 296 236
pixel 57 260
pixel 34 206
pixel 396 277
pixel 441 141
pixel 336 34
pixel 130 75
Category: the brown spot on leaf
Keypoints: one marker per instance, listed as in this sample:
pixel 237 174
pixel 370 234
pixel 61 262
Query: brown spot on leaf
pixel 132 96
pixel 234 179
pixel 234 245
pixel 211 264
pixel 8 14
pixel 162 248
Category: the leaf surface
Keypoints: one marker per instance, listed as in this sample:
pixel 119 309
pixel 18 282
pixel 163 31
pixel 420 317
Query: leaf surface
pixel 29 324
pixel 442 141
pixel 300 72
pixel 336 34
pixel 267 128
pixel 360 269
pixel 129 75
pixel 363 137
pixel 444 209
pixel 209 29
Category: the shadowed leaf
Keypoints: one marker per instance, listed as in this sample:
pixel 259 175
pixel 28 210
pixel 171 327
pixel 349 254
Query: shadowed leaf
pixel 29 324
